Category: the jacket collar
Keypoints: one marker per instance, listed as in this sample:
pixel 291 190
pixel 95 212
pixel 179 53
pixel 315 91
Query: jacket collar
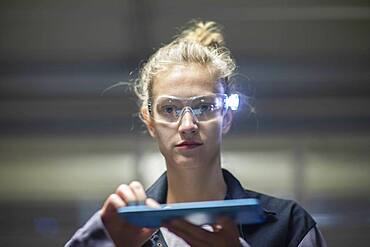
pixel 158 191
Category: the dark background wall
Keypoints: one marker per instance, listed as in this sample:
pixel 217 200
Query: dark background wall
pixel 305 64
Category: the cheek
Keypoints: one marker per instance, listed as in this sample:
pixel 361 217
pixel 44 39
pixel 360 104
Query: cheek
pixel 213 132
pixel 163 136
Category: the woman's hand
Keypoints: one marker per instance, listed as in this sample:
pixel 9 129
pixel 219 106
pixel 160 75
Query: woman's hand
pixel 225 233
pixel 122 232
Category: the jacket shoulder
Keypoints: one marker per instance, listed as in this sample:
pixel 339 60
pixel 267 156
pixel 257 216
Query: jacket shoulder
pixel 287 221
pixel 277 205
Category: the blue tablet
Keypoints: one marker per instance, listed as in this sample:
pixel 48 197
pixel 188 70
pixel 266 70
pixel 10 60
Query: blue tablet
pixel 242 211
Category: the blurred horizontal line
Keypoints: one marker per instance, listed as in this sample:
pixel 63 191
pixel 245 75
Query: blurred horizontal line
pixel 80 108
pixel 326 114
pixel 298 13
pixel 333 219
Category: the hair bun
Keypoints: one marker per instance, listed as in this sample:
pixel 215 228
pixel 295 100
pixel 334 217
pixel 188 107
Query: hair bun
pixel 206 33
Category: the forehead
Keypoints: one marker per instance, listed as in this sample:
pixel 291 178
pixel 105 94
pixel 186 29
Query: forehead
pixel 186 81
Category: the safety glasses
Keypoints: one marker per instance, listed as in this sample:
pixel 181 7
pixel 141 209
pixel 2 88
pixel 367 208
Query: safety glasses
pixel 170 109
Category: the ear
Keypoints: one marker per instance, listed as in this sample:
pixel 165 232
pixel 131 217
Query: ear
pixel 145 117
pixel 227 121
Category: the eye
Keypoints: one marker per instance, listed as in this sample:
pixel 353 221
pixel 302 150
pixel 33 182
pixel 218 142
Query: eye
pixel 206 107
pixel 168 109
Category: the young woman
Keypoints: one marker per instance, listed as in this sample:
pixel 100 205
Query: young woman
pixel 184 89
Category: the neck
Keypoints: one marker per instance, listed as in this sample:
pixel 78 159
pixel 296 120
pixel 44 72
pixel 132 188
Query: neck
pixel 195 184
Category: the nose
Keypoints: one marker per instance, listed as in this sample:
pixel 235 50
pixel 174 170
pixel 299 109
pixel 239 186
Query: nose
pixel 188 124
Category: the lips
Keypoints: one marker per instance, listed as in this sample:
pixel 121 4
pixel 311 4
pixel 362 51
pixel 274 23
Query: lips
pixel 188 144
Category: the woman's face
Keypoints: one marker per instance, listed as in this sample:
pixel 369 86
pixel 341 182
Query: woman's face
pixel 188 143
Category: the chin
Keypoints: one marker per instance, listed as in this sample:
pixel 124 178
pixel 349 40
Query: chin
pixel 185 162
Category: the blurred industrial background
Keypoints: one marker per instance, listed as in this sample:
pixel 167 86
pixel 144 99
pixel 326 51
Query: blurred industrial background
pixel 65 146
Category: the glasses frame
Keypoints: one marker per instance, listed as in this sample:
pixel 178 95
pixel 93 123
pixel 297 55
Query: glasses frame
pixel 188 108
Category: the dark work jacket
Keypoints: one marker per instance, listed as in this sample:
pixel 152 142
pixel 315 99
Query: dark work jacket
pixel 286 225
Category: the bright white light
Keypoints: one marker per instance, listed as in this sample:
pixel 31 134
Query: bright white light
pixel 233 102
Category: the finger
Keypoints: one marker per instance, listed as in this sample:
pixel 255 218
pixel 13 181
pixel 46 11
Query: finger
pixel 138 190
pixel 188 238
pixel 112 203
pixel 125 192
pixel 225 223
pixel 217 227
pixel 190 233
pixel 225 226
pixel 152 203
pixel 120 230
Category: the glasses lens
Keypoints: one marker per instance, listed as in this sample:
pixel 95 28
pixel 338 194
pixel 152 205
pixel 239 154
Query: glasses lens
pixel 169 109
pixel 207 107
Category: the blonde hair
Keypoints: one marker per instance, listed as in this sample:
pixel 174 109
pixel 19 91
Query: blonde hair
pixel 200 43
